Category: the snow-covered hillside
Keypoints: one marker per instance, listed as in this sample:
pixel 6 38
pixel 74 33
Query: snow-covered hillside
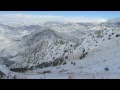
pixel 60 50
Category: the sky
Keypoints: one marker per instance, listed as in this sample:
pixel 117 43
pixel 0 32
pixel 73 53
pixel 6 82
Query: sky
pixel 103 14
pixel 61 16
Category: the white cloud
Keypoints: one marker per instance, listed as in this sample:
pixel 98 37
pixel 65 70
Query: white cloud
pixel 24 18
pixel 117 19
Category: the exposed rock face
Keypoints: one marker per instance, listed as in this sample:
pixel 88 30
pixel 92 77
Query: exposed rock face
pixel 56 62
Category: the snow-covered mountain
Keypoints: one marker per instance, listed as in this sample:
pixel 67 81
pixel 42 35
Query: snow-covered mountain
pixel 60 50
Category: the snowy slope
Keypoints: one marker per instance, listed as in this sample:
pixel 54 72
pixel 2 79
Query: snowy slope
pixel 61 50
pixel 100 62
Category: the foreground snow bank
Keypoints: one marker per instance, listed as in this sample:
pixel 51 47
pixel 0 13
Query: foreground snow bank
pixel 5 73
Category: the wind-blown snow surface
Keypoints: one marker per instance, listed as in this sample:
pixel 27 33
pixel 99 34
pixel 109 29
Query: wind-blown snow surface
pixel 60 50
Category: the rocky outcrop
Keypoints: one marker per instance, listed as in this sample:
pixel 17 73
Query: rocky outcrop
pixel 56 62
